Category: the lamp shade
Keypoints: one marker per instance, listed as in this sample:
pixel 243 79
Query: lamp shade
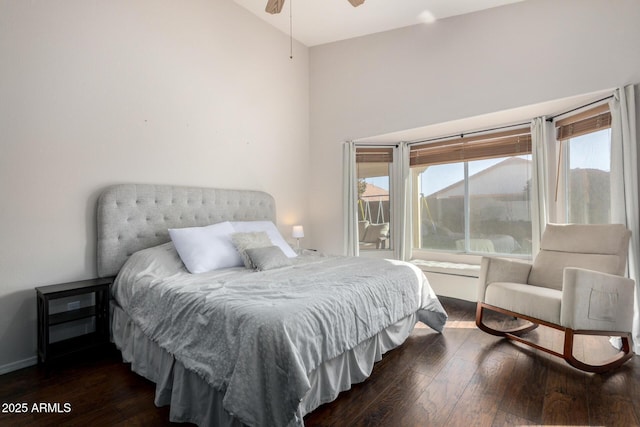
pixel 298 232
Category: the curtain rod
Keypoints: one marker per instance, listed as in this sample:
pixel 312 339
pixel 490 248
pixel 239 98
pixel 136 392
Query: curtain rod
pixel 552 118
pixel 463 134
pixel 375 145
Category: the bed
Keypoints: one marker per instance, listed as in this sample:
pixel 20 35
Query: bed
pixel 233 346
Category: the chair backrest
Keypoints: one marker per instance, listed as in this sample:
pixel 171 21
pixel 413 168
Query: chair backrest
pixel 599 247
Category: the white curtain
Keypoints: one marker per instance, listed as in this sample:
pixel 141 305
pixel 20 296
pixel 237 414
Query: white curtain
pixel 350 199
pixel 540 138
pixel 624 183
pixel 402 205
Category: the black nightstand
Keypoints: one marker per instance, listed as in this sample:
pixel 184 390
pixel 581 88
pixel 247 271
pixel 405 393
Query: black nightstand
pixel 48 351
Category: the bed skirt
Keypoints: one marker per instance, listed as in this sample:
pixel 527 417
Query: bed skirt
pixel 193 400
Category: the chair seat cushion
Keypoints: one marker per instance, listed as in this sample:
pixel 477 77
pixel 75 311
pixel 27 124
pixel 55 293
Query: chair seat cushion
pixel 534 301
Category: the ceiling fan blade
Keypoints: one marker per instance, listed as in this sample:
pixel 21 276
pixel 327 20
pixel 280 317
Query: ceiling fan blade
pixel 275 6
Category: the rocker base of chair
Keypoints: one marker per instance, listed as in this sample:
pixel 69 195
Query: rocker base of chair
pixel 514 334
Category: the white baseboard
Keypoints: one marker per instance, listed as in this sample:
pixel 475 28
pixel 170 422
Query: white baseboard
pixel 14 366
pixel 453 286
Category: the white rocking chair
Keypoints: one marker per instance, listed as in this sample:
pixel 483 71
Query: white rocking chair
pixel 575 285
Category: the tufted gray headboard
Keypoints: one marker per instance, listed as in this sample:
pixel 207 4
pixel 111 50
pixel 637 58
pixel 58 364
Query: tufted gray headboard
pixel 132 217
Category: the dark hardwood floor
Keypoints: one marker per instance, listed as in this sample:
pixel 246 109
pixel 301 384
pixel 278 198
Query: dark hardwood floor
pixel 462 377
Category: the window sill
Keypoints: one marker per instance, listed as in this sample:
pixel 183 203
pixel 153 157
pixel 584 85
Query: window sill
pixel 453 268
pixel 457 264
pixel 450 257
pixel 460 257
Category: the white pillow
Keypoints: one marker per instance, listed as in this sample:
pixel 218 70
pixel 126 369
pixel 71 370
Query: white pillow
pixel 207 248
pixel 271 230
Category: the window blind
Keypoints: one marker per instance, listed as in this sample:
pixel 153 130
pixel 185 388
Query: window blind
pixel 589 121
pixel 511 142
pixel 374 155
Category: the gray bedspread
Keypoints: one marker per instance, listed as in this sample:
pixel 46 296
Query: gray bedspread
pixel 255 335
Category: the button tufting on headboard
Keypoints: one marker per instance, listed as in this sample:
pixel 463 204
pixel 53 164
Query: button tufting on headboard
pixel 132 217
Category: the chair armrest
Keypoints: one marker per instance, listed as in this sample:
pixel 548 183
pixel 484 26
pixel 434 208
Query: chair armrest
pixel 501 270
pixel 596 301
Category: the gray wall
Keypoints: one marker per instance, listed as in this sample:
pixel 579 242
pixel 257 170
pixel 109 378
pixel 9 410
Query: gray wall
pixel 467 66
pixel 193 92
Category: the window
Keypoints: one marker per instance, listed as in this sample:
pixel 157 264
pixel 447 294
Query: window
pixel 373 169
pixel 472 194
pixel 440 207
pixel 585 141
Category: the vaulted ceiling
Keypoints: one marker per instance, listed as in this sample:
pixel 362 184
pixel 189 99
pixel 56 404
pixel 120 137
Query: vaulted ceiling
pixel 323 21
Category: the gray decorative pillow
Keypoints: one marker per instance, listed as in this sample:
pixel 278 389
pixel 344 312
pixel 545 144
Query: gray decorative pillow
pixel 245 241
pixel 268 258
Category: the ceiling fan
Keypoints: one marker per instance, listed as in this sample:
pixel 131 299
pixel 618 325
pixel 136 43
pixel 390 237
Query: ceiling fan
pixel 275 6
